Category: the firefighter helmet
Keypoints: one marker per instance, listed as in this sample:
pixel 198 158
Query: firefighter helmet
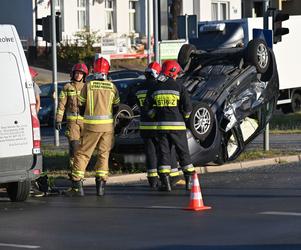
pixel 101 66
pixel 33 73
pixel 80 67
pixel 171 68
pixel 153 69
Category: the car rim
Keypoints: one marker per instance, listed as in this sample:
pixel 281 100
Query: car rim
pixel 202 121
pixel 262 55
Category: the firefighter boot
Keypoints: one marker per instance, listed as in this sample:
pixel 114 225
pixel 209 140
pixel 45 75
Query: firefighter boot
pixel 153 181
pixel 165 183
pixel 174 180
pixel 75 190
pixel 188 180
pixel 100 187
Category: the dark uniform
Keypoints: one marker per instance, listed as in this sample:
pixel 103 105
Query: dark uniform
pixel 148 133
pixel 169 104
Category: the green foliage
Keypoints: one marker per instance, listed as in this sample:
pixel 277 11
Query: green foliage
pixel 288 123
pixel 81 49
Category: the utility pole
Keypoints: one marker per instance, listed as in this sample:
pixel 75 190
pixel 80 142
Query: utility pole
pixel 156 30
pixel 54 71
pixel 266 135
pixel 149 33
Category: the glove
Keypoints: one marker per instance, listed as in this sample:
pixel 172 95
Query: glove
pixel 58 126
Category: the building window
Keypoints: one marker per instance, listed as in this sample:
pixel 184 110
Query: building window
pixel 81 14
pixel 132 16
pixel 220 10
pixel 109 15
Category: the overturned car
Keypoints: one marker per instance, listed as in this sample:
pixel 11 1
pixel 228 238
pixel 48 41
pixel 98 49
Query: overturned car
pixel 234 93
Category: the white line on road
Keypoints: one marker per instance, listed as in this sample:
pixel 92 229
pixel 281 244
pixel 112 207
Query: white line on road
pixel 281 213
pixel 19 246
pixel 164 207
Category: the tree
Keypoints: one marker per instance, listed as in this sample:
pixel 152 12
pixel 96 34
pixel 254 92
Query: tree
pixel 175 11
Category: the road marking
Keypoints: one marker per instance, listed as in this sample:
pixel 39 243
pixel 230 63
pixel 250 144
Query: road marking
pixel 164 207
pixel 19 246
pixel 281 213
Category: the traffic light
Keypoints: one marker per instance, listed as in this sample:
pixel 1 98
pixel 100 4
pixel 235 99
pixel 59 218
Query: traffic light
pixel 46 31
pixel 278 30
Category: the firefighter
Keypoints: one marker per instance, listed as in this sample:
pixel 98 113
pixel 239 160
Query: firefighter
pixel 98 98
pixel 69 104
pixel 169 105
pixel 148 128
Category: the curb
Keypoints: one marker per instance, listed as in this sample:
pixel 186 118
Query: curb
pixel 130 178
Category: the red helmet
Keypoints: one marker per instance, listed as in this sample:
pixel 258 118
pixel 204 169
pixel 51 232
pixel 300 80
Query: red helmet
pixel 171 68
pixel 153 69
pixel 101 66
pixel 33 73
pixel 80 67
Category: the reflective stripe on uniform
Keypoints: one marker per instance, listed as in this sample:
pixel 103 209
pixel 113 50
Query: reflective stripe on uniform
pixel 187 115
pixel 164 92
pixel 148 125
pixel 174 172
pixel 73 116
pixel 171 126
pixel 82 99
pixel 60 112
pixel 78 174
pixel 164 169
pixel 101 173
pixel 166 100
pixel 116 100
pixel 188 168
pixel 152 172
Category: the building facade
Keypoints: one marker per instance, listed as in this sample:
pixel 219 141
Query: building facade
pixel 117 19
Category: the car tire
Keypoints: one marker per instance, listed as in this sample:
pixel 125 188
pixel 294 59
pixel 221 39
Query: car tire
pixel 184 55
pixel 120 118
pixel 201 121
pixel 257 54
pixel 18 191
pixel 296 102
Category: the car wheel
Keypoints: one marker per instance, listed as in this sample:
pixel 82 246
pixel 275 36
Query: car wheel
pixel 184 55
pixel 18 191
pixel 201 121
pixel 122 117
pixel 257 54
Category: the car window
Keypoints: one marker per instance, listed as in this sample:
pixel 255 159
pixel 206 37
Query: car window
pixel 128 75
pixel 46 90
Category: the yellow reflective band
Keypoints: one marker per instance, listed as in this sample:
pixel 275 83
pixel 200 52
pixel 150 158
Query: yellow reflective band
pixel 80 174
pixel 100 173
pixel 148 127
pixel 164 171
pixel 60 112
pixel 73 93
pixel 82 99
pixel 173 174
pixel 171 127
pixel 108 121
pixel 116 101
pixel 73 118
pixel 166 100
pixel 189 169
pixel 186 116
pixel 152 174
pixel 62 94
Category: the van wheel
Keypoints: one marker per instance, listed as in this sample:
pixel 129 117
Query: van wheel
pixel 257 54
pixel 201 121
pixel 18 191
pixel 122 118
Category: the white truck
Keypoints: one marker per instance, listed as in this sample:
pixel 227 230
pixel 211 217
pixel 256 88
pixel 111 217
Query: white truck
pixel 20 154
pixel 287 52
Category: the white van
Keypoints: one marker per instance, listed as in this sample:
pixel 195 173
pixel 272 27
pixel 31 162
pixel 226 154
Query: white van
pixel 20 153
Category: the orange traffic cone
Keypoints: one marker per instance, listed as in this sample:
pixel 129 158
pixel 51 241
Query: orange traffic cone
pixel 196 199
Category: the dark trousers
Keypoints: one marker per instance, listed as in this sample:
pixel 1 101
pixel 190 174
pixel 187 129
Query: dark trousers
pixel 151 147
pixel 178 140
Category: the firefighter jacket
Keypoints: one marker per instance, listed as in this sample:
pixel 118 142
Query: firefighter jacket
pixel 68 102
pixel 169 104
pixel 98 98
pixel 147 125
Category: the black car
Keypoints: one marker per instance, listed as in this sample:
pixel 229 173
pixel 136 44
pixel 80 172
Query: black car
pixel 234 93
pixel 125 80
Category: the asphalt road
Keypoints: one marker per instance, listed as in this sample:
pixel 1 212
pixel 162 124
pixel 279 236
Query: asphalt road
pixel 277 141
pixel 251 209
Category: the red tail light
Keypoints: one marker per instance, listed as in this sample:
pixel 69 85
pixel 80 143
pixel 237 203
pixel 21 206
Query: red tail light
pixel 35 130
